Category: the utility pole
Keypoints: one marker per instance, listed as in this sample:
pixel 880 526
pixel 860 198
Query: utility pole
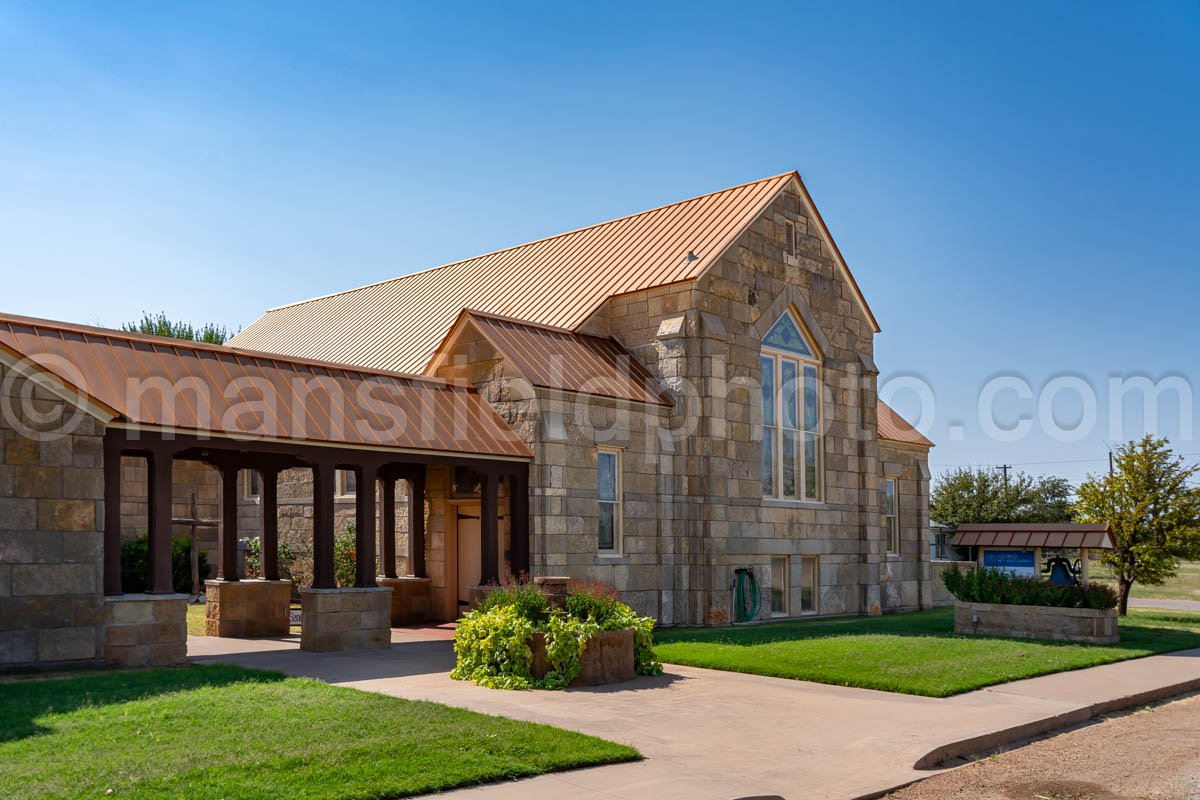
pixel 1110 463
pixel 1004 468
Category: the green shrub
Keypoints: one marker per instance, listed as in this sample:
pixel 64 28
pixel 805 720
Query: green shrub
pixel 135 565
pixel 493 642
pixel 529 601
pixel 287 556
pixel 983 585
pixel 344 554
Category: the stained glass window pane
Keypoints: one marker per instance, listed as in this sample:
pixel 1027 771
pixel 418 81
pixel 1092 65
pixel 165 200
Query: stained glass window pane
pixel 607 463
pixel 889 497
pixel 768 389
pixel 812 464
pixel 768 462
pixel 787 336
pixel 791 456
pixel 812 407
pixel 788 380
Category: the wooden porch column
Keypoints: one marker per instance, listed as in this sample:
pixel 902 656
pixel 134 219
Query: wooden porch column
pixel 490 527
pixel 323 574
pixel 269 501
pixel 519 514
pixel 416 526
pixel 158 463
pixel 364 546
pixel 112 514
pixel 388 550
pixel 227 538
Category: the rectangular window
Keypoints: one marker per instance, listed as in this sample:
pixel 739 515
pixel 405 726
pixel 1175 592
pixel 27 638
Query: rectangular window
pixel 779 585
pixel 891 522
pixel 808 584
pixel 345 483
pixel 608 493
pixel 790 234
pixel 791 433
pixel 251 484
pixel 768 421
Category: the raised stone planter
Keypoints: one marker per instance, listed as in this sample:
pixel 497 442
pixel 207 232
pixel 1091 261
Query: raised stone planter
pixel 247 608
pixel 345 619
pixel 1093 626
pixel 145 630
pixel 411 604
pixel 607 658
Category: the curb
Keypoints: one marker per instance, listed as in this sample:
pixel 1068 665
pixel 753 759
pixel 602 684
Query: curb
pixel 1029 730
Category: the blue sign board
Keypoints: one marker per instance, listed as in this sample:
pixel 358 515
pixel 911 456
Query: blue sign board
pixel 1015 562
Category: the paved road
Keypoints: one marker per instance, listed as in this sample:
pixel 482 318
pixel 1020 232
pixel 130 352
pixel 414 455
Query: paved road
pixel 1169 605
pixel 711 735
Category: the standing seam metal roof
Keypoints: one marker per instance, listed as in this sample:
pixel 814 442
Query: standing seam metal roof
pixel 559 281
pixel 222 391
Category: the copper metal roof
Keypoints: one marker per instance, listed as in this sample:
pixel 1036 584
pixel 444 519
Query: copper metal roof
pixel 896 428
pixel 560 281
pixel 228 392
pixel 1033 534
pixel 556 358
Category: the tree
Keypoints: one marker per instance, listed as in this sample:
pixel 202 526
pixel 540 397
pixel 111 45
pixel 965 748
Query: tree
pixel 159 325
pixel 1154 513
pixel 984 495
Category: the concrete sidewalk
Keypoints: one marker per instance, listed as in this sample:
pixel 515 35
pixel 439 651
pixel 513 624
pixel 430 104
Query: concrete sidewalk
pixel 710 735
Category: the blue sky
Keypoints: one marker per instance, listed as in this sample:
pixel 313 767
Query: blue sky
pixel 1015 186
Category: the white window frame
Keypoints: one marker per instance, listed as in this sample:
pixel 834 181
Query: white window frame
pixel 618 504
pixel 891 517
pixel 815 588
pixel 248 476
pixel 783 589
pixel 779 357
pixel 339 483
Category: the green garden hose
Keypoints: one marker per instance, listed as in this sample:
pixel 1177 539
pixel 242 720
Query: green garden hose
pixel 746 596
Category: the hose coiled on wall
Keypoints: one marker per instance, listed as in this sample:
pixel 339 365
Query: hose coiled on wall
pixel 746 595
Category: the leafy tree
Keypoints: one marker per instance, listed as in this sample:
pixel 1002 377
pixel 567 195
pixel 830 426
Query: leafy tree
pixel 159 325
pixel 983 495
pixel 1154 513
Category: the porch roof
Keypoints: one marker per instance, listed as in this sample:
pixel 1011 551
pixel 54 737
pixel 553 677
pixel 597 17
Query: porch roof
pixel 153 382
pixel 1036 534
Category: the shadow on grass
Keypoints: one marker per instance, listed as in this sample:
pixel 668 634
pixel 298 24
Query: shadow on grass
pixel 22 702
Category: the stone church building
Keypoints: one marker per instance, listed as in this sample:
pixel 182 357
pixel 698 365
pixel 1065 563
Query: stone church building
pixel 666 402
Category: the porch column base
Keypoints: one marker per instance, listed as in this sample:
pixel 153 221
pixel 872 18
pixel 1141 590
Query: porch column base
pixel 145 630
pixel 246 609
pixel 410 599
pixel 357 618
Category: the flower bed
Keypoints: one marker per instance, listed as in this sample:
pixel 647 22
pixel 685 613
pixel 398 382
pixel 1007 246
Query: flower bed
pixel 994 603
pixel 516 639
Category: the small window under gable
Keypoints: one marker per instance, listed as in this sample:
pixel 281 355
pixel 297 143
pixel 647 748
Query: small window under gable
pixel 789 228
pixel 786 336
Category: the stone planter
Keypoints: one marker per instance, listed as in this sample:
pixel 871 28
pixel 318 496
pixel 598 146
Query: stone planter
pixel 410 599
pixel 1089 625
pixel 606 658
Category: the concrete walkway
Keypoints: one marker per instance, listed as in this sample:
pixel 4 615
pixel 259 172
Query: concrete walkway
pixel 710 735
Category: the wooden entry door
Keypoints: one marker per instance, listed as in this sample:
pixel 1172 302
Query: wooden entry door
pixel 470 553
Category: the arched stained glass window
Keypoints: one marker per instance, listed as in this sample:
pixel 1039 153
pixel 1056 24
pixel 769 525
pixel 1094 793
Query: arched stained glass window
pixel 786 336
pixel 791 414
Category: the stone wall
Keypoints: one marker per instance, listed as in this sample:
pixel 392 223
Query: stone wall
pixel 941 595
pixel 905 577
pixel 345 619
pixel 1093 626
pixel 145 630
pixel 51 521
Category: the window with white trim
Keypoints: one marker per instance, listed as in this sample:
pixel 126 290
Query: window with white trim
pixel 891 521
pixel 779 586
pixel 808 584
pixel 791 414
pixel 251 484
pixel 608 494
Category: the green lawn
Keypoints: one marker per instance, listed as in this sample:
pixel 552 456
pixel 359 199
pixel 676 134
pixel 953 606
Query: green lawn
pixel 1184 586
pixel 912 653
pixel 226 732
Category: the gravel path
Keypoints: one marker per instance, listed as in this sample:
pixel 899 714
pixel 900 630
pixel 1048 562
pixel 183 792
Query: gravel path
pixel 1149 754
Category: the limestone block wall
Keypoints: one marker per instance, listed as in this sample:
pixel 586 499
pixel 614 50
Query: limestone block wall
pixel 144 630
pixel 188 478
pixel 345 619
pixel 905 578
pixel 51 518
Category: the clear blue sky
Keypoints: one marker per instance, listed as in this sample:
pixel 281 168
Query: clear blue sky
pixel 1016 186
